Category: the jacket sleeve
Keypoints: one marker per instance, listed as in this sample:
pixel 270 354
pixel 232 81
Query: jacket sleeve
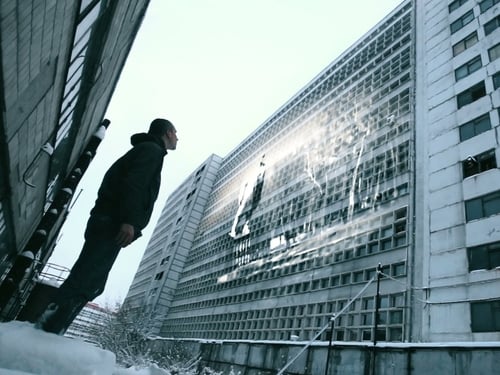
pixel 143 167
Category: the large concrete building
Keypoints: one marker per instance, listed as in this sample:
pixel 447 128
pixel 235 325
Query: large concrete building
pixel 388 156
pixel 457 180
pixel 155 283
pixel 60 62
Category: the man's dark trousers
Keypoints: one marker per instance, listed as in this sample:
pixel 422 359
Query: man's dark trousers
pixel 87 277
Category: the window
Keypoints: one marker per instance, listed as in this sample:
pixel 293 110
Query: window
pixel 492 25
pixel 462 21
pixel 465 43
pixel 398 269
pixel 468 68
pixel 471 94
pixel 396 317
pixel 487 4
pixel 485 316
pixel 479 163
pixel 200 170
pixel 159 275
pixel 477 126
pixel 456 4
pixel 484 257
pixel 496 80
pixel 368 303
pixel 481 207
pixel 190 194
pixel 357 277
pixel 494 52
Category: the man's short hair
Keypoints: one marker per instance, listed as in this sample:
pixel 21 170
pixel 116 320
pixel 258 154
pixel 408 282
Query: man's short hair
pixel 160 126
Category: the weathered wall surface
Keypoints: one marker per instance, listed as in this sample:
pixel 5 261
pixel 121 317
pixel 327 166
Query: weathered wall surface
pixel 266 358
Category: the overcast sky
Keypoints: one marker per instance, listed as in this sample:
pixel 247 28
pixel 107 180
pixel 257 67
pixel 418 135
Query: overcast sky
pixel 217 69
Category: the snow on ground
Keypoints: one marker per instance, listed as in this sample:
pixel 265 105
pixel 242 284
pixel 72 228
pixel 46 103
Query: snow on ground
pixel 26 350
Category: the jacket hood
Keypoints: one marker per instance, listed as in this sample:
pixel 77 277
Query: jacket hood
pixel 145 137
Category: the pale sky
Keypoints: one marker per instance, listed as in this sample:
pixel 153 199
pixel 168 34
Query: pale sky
pixel 217 69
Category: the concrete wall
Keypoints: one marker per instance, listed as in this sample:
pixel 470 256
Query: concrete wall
pixel 35 42
pixel 442 232
pixel 266 358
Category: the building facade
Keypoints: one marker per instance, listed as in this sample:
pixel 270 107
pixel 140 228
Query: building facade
pixel 387 157
pixel 60 62
pixel 457 179
pixel 88 322
pixel 155 281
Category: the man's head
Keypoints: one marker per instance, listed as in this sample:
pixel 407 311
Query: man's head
pixel 166 131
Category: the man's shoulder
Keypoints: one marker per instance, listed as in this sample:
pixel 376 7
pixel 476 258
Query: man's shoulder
pixel 149 146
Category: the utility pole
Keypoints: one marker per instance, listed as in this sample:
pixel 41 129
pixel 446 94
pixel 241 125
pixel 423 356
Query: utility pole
pixel 375 328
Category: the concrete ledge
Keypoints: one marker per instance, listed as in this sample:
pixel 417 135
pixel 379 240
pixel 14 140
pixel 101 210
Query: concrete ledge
pixel 353 358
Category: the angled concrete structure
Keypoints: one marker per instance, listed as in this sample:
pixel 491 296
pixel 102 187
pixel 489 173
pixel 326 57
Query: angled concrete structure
pixel 60 62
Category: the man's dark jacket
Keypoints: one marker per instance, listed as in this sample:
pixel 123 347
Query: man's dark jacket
pixel 131 185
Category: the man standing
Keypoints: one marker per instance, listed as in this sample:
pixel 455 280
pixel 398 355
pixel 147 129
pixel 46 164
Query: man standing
pixel 123 208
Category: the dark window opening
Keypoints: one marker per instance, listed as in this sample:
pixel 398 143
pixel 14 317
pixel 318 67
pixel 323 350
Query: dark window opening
pixel 484 257
pixel 481 207
pixel 468 68
pixel 465 43
pixel 494 52
pixel 485 316
pixel 492 25
pixel 477 126
pixel 456 4
pixel 471 94
pixel 486 4
pixel 462 21
pixel 496 80
pixel 476 164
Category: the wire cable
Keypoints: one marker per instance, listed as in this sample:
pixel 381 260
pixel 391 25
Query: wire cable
pixel 332 320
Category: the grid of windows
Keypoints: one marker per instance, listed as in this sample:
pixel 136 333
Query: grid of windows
pixel 219 281
pixel 485 315
pixel 241 294
pixel 360 60
pixel 382 167
pixel 305 321
pixel 227 283
pixel 326 208
pixel 273 219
